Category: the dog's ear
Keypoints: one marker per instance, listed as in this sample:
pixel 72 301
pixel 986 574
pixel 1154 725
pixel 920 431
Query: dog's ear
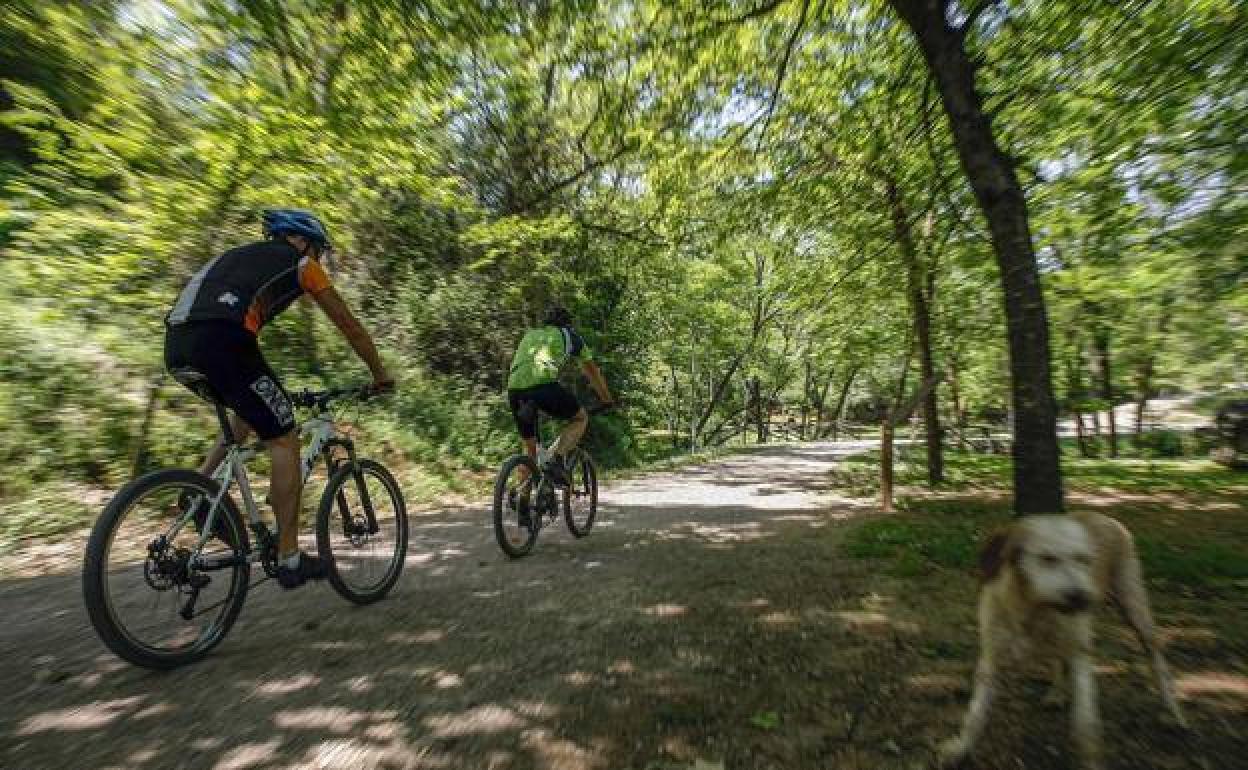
pixel 1000 549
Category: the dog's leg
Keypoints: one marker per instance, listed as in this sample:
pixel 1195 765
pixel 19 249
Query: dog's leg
pixel 955 750
pixel 994 641
pixel 1132 599
pixel 1085 714
pixel 1056 696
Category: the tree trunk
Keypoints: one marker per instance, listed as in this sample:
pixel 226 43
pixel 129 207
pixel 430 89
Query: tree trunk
pixel 886 465
pixel 844 395
pixel 139 459
pixel 1101 341
pixel 1080 435
pixel 1075 393
pixel 673 416
pixel 1148 369
pixel 807 389
pixel 955 394
pixel 756 399
pixel 920 310
pixel 1037 463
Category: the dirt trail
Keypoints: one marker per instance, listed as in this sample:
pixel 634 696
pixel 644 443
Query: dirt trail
pixel 708 618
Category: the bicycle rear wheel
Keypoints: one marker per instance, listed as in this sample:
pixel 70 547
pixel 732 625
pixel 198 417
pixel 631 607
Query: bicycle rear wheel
pixel 361 528
pixel 580 499
pixel 146 600
pixel 517 518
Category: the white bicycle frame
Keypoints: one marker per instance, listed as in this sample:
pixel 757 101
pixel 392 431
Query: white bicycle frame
pixel 233 470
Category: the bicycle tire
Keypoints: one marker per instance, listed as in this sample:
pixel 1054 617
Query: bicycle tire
pixel 100 609
pixel 500 508
pixel 582 472
pixel 333 507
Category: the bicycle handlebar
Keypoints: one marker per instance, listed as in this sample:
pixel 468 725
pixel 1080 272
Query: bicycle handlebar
pixel 323 398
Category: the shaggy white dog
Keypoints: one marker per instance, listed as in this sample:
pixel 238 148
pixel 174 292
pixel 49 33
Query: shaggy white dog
pixel 1044 577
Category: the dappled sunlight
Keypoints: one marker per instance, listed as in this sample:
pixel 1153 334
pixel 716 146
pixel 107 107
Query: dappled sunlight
pixel 1197 685
pixel 156 710
pixel 938 685
pixel 430 636
pixel 332 718
pixel 377 752
pixel 653 644
pixel 1188 639
pixel 864 621
pixel 622 666
pixel 580 678
pixel 445 680
pixel 359 685
pixel 282 687
pixel 142 757
pixel 250 755
pixel 482 719
pixel 665 610
pixel 557 753
pixel 89 716
pixel 341 645
pixel 779 619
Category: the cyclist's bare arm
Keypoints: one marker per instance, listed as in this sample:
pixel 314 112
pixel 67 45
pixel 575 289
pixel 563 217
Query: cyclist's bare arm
pixel 332 303
pixel 597 381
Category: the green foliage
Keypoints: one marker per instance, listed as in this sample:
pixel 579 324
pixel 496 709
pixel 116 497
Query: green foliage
pixel 913 546
pixel 711 190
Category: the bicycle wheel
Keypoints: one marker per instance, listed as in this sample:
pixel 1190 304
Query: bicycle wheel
pixel 145 600
pixel 517 519
pixel 580 500
pixel 365 553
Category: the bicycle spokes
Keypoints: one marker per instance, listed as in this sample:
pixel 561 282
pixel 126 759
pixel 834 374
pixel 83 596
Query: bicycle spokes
pixel 148 586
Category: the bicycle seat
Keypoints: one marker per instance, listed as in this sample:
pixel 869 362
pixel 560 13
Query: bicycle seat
pixel 198 383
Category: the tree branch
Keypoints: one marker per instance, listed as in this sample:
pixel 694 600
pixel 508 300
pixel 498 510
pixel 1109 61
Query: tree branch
pixel 784 67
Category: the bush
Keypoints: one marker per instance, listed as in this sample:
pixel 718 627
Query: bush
pixel 1161 443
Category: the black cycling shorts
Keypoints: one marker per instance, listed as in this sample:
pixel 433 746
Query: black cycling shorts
pixel 551 398
pixel 228 356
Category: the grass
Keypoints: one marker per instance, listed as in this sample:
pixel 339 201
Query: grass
pixel 1189 517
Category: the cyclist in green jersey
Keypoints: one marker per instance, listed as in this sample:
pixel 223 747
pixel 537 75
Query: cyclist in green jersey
pixel 533 384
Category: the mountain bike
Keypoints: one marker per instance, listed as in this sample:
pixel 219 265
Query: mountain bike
pixel 526 500
pixel 168 563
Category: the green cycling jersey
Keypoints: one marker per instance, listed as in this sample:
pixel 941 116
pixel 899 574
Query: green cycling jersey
pixel 542 353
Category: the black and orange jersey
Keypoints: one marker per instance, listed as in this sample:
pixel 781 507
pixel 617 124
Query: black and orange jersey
pixel 249 285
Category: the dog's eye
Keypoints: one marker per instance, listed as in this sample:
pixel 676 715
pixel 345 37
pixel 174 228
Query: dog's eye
pixel 1084 558
pixel 1048 559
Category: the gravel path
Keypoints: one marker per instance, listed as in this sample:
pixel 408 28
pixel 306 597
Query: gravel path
pixel 571 658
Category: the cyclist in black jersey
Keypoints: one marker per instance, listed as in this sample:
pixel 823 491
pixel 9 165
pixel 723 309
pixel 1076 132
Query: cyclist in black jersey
pixel 211 335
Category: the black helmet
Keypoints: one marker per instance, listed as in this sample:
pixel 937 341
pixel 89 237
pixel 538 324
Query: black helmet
pixel 557 315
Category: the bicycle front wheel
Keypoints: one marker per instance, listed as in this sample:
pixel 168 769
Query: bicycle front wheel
pixel 361 529
pixel 580 499
pixel 152 599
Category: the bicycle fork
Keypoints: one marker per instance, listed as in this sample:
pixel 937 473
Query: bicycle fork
pixel 370 515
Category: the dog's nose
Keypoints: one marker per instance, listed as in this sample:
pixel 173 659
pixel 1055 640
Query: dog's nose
pixel 1076 601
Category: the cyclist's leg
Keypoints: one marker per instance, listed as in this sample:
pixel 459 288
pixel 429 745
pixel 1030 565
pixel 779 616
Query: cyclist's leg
pixel 265 405
pixel 284 487
pixel 571 433
pixel 215 455
pixel 561 404
pixel 524 411
pixel 231 361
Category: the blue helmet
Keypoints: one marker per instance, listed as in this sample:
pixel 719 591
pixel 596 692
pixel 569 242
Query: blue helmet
pixel 279 222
